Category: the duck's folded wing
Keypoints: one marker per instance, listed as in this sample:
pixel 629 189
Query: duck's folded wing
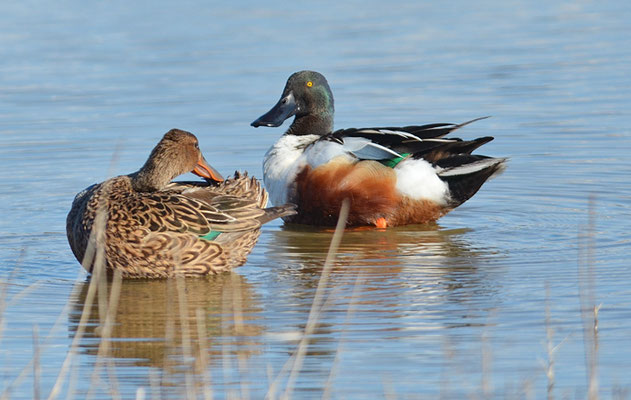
pixel 366 149
pixel 172 212
pixel 422 141
pixel 240 185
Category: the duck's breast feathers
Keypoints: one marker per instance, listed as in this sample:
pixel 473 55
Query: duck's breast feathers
pixel 321 190
pixel 282 163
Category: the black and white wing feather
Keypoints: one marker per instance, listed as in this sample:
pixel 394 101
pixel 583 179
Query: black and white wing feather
pixel 419 141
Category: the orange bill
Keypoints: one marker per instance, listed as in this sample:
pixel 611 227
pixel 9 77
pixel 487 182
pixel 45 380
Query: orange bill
pixel 204 170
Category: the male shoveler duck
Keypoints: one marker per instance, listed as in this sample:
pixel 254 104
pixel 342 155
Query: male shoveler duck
pixel 154 228
pixel 392 176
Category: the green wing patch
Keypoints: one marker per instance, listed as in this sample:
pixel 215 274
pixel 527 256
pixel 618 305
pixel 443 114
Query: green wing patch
pixel 212 235
pixel 393 162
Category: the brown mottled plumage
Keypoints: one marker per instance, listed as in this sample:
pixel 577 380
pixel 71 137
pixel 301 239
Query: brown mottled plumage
pixel 151 228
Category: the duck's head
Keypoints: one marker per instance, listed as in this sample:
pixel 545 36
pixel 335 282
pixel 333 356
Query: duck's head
pixel 306 95
pixel 177 153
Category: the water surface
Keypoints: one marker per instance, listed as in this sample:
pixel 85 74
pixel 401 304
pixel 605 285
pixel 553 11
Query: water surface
pixel 456 309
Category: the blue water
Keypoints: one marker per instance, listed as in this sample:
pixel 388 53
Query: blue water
pixel 453 310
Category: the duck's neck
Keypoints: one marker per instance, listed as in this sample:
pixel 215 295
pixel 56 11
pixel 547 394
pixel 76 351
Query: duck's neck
pixel 312 124
pixel 151 178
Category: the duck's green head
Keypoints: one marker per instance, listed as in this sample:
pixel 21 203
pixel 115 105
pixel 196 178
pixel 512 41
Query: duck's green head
pixel 306 94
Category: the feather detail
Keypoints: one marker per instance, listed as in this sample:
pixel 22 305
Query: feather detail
pixel 393 175
pixel 186 228
pixel 365 149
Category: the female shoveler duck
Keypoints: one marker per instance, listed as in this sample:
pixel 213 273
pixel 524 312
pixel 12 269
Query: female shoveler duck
pixel 151 228
pixel 392 176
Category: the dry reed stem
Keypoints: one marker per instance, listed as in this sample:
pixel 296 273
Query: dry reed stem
pixel 18 379
pixel 549 347
pixel 154 384
pixel 389 393
pixel 350 312
pixel 225 347
pixel 101 293
pixel 271 393
pixel 237 307
pixel 28 367
pixel 20 295
pixel 237 312
pixel 43 344
pixel 202 355
pixel 36 363
pixel 447 373
pixel 186 336
pixel 316 306
pixel 111 373
pixel 105 332
pixel 89 256
pixel 589 310
pixel 243 366
pixel 95 250
pixel 140 393
pixel 4 287
pixel 487 385
pixel 72 380
pixel 169 330
pixel 3 304
pixel 270 374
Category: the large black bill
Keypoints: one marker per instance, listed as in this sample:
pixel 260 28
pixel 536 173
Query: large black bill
pixel 285 108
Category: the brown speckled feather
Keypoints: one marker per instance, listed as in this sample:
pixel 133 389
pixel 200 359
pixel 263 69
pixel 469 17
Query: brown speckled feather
pixel 155 231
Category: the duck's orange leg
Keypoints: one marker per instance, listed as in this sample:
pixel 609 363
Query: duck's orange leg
pixel 381 223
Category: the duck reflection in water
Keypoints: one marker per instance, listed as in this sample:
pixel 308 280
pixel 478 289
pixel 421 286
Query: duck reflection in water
pixel 415 266
pixel 417 246
pixel 153 324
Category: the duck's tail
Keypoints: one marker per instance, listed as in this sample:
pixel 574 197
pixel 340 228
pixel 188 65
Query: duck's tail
pixel 277 212
pixel 466 173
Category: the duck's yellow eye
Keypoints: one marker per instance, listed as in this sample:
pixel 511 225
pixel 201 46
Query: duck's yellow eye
pixel 309 84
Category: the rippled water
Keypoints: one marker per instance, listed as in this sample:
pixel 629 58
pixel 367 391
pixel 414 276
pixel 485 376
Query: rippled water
pixel 456 309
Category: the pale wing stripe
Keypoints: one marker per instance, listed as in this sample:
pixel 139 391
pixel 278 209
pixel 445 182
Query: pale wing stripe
pixel 390 132
pixel 469 168
pixel 365 149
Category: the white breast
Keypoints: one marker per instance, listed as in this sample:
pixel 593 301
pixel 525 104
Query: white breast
pixel 282 163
